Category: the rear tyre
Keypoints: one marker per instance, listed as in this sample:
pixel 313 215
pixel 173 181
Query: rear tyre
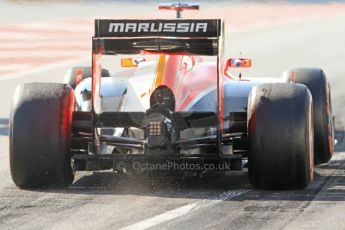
pixel 280 136
pixel 71 77
pixel 40 129
pixel 316 81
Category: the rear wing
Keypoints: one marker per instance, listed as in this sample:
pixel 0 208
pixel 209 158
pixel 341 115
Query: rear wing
pixel 196 37
pixel 183 37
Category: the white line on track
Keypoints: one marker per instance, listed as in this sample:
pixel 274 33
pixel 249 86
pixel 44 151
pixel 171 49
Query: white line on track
pixel 48 67
pixel 85 26
pixel 52 44
pixel 29 36
pixel 42 53
pixel 184 210
pixel 12 67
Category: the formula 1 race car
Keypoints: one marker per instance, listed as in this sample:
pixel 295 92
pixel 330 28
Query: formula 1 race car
pixel 159 96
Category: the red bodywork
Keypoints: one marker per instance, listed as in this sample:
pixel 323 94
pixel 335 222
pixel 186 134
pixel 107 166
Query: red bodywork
pixel 188 79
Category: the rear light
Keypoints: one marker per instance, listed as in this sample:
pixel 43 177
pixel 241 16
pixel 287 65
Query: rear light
pixel 157 134
pixel 155 128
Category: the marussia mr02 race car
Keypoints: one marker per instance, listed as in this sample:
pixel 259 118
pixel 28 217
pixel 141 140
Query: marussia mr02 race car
pixel 170 104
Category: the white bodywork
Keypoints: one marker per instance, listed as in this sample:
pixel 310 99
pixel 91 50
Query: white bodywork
pixel 121 94
pixel 131 94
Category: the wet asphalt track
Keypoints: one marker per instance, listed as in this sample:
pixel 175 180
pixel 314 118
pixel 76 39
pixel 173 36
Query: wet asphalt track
pixel 101 200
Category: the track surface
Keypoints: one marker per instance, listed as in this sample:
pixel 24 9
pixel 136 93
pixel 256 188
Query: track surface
pixel 216 201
